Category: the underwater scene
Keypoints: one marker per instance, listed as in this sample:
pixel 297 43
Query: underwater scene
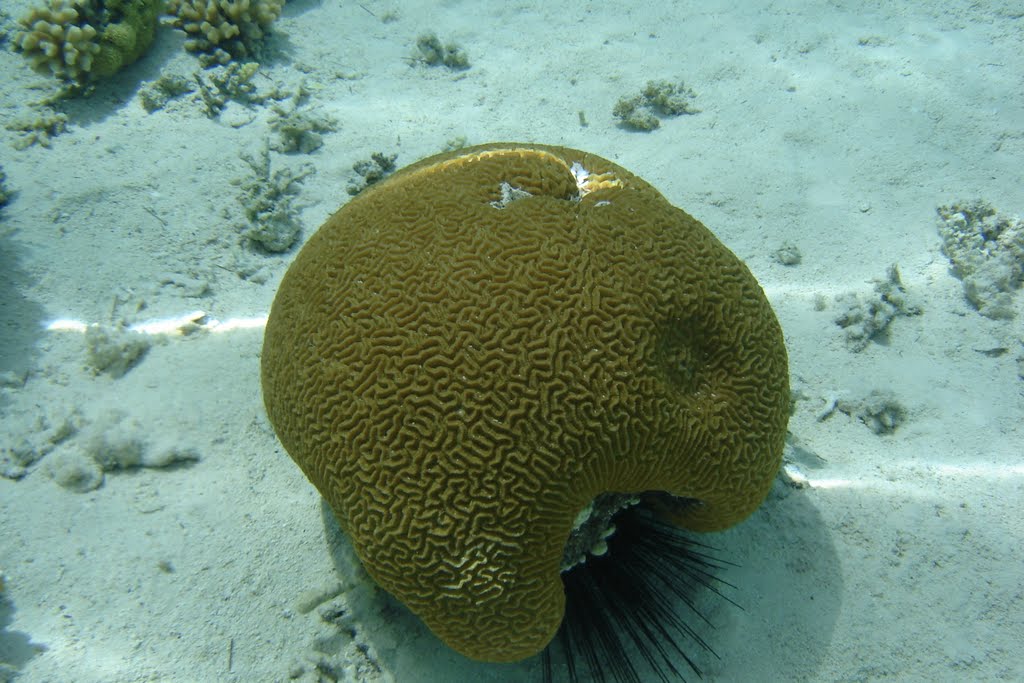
pixel 430 342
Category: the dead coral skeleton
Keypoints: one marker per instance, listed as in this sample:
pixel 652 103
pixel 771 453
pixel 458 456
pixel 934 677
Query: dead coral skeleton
pixel 272 219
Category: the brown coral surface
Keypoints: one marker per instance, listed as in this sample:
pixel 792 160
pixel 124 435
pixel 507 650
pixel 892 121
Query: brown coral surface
pixel 468 353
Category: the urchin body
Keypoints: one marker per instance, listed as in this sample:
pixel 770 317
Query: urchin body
pixel 465 356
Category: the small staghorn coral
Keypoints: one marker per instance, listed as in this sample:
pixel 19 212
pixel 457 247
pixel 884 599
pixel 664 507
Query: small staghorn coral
pixel 224 29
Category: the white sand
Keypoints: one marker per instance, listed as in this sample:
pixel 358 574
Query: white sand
pixel 830 125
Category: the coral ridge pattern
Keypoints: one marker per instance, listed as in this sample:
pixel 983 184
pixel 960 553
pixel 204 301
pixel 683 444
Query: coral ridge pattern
pixel 468 353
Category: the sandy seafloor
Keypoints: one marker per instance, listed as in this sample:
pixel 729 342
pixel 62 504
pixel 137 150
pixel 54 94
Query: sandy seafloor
pixel 837 126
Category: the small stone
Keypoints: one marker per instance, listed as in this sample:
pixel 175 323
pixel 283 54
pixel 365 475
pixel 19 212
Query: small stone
pixel 788 254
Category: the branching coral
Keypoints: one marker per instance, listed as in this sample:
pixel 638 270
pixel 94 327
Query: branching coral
pixel 80 40
pixel 57 39
pixel 224 29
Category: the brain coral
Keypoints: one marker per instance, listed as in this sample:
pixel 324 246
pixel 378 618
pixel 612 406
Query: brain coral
pixel 464 356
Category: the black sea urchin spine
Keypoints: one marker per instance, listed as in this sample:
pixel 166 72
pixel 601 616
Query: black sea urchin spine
pixel 636 603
